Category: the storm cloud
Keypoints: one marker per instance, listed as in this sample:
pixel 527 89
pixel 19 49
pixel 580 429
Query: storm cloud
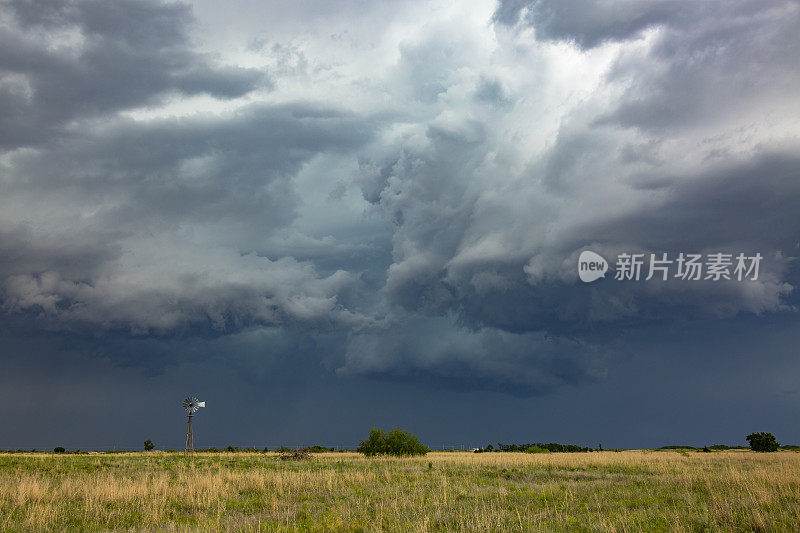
pixel 408 186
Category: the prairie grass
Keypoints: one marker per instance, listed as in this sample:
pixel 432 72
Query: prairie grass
pixel 443 491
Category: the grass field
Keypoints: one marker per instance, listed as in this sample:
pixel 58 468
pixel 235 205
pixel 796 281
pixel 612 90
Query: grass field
pixel 606 491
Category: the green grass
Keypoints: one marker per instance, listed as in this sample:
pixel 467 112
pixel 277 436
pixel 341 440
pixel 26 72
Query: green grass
pixel 607 491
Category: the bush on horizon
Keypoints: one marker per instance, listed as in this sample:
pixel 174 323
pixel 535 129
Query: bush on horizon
pixel 762 442
pixel 395 442
pixel 536 449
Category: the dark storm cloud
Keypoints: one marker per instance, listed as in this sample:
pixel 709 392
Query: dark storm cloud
pixel 588 23
pixel 65 61
pixel 486 160
pixel 713 62
pixel 508 12
pixel 159 173
pixel 439 352
pixel 127 186
pixel 708 59
pixel 502 253
pixel 79 258
pixel 443 263
pixel 751 204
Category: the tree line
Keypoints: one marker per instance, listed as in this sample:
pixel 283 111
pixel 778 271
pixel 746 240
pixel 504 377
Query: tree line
pixel 398 442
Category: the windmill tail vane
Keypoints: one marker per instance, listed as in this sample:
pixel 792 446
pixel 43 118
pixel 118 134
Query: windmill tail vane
pixel 191 405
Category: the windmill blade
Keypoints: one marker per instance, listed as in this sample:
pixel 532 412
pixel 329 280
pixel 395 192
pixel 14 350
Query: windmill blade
pixel 191 404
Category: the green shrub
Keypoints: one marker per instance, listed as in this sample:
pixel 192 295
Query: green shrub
pixel 536 449
pixel 762 442
pixel 148 445
pixel 395 442
pixel 59 449
pixel 317 449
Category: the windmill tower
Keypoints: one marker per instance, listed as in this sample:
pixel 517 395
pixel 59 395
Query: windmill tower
pixel 191 404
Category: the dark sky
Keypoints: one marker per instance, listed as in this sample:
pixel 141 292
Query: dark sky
pixel 324 217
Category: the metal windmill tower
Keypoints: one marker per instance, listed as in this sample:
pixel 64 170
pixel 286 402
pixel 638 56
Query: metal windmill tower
pixel 191 404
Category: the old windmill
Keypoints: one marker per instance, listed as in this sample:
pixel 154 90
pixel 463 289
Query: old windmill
pixel 191 405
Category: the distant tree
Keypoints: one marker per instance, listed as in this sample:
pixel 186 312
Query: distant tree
pixel 536 449
pixel 317 449
pixel 148 445
pixel 395 442
pixel 59 449
pixel 762 442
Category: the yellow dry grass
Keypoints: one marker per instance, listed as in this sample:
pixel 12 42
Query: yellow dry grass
pixel 606 491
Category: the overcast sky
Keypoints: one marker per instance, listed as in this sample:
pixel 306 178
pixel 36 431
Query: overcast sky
pixel 320 217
